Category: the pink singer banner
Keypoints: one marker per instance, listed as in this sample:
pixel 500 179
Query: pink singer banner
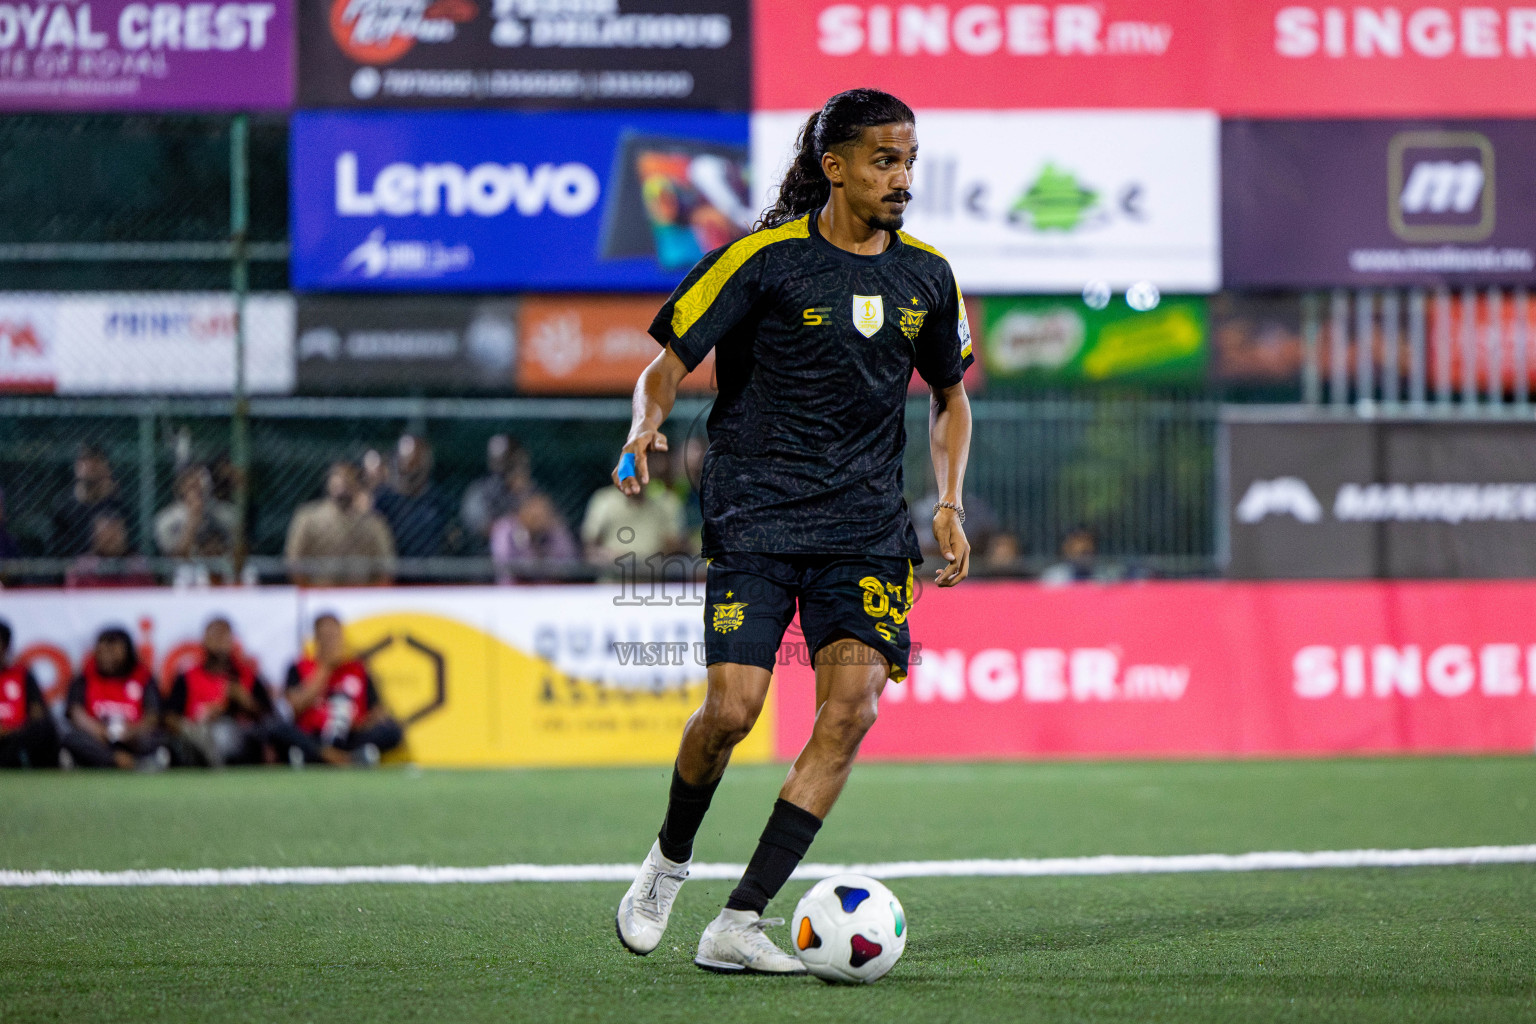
pixel 1214 669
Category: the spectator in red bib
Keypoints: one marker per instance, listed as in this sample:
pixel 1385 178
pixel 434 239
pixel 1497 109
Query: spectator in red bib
pixel 217 709
pixel 339 717
pixel 27 736
pixel 113 710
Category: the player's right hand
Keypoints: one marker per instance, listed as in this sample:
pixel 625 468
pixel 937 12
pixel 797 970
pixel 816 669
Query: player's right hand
pixel 630 481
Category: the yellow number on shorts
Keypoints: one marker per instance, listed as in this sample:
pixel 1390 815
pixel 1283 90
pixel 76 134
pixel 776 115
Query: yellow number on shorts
pixel 876 604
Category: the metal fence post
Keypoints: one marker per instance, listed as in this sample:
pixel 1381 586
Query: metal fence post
pixel 146 480
pixel 239 274
pixel 1311 371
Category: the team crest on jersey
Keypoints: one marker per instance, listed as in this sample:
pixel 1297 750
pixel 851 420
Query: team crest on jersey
pixel 729 615
pixel 868 314
pixel 911 321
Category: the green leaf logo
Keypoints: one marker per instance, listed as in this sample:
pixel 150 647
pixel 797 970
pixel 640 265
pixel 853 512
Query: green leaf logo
pixel 901 922
pixel 1054 201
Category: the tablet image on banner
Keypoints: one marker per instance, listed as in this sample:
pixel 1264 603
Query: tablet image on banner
pixel 123 55
pixel 676 199
pixel 504 201
pixel 1050 201
pixel 536 53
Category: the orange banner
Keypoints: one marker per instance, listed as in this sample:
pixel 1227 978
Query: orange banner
pixel 592 345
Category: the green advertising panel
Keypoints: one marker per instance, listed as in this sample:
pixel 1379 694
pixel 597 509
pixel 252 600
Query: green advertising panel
pixel 1046 341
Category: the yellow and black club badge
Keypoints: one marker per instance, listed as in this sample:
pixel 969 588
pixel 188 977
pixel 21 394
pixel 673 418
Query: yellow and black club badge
pixel 911 320
pixel 729 615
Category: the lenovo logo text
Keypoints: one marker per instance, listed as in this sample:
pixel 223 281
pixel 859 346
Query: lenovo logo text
pixel 486 190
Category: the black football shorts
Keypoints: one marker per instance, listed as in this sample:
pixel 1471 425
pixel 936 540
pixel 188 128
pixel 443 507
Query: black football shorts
pixel 751 598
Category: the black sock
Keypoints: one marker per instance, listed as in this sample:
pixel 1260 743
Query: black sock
pixel 788 835
pixel 686 805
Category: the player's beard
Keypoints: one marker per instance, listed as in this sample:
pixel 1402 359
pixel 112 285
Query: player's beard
pixel 891 222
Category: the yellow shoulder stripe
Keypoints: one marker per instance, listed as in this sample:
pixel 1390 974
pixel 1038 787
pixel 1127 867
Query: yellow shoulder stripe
pixel 965 328
pixel 919 244
pixel 697 300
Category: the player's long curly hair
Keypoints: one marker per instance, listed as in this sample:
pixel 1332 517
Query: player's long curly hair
pixel 805 187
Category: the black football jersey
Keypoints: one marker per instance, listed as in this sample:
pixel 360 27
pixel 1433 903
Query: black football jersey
pixel 814 350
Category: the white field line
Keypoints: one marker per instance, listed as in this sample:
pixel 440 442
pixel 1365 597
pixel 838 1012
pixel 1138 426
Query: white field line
pixel 411 874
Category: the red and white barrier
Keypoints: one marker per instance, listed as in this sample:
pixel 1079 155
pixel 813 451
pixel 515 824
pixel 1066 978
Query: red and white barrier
pixel 1217 669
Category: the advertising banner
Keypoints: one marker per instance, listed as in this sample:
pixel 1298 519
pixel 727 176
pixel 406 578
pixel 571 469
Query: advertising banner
pixel 1331 203
pixel 1123 53
pixel 1450 58
pixel 594 345
pixel 1255 58
pixel 484 201
pixel 396 345
pixel 54 631
pixel 534 675
pixel 130 343
pixel 1394 499
pixel 1051 201
pixel 1203 669
pixel 1058 342
pixel 544 53
pixel 126 55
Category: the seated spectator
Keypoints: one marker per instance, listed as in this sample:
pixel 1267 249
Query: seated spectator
pixel 75 511
pixel 532 542
pixel 649 523
pixel 217 710
pixel 110 562
pixel 113 710
pixel 508 480
pixel 339 717
pixel 27 736
pixel 410 503
pixel 339 540
pixel 1080 562
pixel 196 525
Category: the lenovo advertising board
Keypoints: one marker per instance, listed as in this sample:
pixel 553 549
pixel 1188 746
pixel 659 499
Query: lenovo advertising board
pixel 1386 498
pixel 488 201
pixel 396 345
pixel 1010 670
pixel 1049 201
pixel 1329 203
pixel 537 53
pixel 125 55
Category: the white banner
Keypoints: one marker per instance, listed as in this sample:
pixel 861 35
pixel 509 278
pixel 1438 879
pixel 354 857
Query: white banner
pixel 143 343
pixel 54 631
pixel 1050 201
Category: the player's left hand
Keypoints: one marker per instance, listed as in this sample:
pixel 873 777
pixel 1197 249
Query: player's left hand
pixel 953 545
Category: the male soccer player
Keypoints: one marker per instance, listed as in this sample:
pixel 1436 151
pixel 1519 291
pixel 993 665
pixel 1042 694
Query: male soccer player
pixel 818 319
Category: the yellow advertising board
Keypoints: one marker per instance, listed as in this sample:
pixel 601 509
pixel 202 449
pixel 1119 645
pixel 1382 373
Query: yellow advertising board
pixel 533 676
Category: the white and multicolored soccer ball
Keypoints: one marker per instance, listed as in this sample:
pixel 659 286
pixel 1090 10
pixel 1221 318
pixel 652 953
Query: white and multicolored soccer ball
pixel 849 929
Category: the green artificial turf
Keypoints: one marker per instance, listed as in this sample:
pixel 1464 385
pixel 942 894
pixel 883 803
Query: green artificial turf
pixel 1442 944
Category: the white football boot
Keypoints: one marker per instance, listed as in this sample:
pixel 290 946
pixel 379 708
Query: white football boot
pixel 734 943
pixel 643 912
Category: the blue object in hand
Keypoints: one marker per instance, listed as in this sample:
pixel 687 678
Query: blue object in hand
pixel 627 466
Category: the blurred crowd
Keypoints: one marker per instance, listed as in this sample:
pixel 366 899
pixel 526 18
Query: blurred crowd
pixel 218 710
pixel 387 506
